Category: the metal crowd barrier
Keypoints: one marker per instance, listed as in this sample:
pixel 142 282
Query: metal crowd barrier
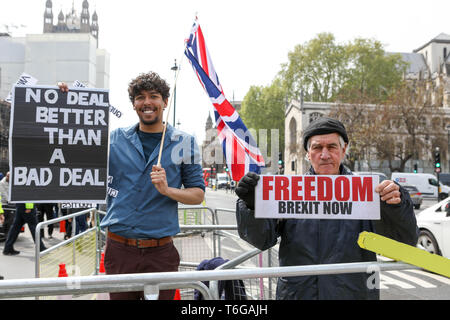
pixel 150 283
pixel 95 229
pixel 189 241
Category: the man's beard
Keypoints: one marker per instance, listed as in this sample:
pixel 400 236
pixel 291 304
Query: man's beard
pixel 149 122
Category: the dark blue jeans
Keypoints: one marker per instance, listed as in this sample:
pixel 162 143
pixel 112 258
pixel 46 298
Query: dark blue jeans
pixel 20 219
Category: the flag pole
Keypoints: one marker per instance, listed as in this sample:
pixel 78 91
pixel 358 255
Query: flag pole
pixel 167 115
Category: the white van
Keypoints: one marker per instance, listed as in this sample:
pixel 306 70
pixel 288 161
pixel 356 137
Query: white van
pixel 426 183
pixel 222 180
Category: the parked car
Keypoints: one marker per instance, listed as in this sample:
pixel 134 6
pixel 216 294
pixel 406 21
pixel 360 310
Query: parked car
pixel 415 195
pixel 380 174
pixel 434 226
pixel 426 183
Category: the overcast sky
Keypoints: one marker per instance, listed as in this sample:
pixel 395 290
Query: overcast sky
pixel 248 40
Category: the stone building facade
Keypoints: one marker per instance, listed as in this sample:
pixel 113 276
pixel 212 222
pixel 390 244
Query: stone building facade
pixel 430 61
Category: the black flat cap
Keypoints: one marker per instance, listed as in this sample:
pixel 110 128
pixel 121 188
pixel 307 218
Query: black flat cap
pixel 324 125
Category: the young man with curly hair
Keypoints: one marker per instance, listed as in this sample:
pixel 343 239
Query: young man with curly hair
pixel 142 216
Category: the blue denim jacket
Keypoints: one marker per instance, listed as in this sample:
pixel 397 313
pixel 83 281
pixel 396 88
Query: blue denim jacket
pixel 135 208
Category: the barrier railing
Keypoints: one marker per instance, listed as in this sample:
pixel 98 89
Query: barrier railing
pixel 71 241
pixel 183 279
pixel 196 242
pixel 150 283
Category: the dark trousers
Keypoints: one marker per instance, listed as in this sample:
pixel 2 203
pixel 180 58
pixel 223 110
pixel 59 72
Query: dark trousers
pixel 121 258
pixel 80 225
pixel 47 211
pixel 20 219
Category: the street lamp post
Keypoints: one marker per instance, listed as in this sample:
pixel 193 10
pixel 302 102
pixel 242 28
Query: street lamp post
pixel 175 69
pixel 448 146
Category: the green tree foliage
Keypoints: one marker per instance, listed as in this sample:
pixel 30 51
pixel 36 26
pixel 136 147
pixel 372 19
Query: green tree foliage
pixel 318 68
pixel 372 73
pixel 326 71
pixel 358 73
pixel 263 108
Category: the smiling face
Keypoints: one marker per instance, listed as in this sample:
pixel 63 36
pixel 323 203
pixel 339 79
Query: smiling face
pixel 149 106
pixel 326 153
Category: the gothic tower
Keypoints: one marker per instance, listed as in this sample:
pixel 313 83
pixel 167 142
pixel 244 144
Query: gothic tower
pixel 48 17
pixel 94 26
pixel 85 25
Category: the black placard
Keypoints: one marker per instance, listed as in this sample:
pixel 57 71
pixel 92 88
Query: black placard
pixel 59 144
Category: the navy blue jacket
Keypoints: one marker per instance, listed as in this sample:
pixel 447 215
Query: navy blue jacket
pixel 311 242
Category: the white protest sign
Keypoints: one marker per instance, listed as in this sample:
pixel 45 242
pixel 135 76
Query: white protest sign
pixel 336 197
pixel 113 110
pixel 24 80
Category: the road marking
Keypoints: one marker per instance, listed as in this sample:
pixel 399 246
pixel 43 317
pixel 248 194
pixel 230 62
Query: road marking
pixel 413 279
pixel 386 280
pixel 432 275
pixel 381 258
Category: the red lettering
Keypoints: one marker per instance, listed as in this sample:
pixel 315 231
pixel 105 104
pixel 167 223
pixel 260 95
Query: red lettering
pixel 362 189
pixel 281 185
pixel 266 186
pixel 324 189
pixel 342 189
pixel 309 188
pixel 296 188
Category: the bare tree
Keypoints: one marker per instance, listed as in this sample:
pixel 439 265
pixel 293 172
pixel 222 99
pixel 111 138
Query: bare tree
pixel 364 128
pixel 409 121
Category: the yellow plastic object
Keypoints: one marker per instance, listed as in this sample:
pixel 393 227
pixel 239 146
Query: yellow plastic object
pixel 402 252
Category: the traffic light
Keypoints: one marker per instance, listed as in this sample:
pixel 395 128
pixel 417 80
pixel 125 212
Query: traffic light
pixel 415 167
pixel 280 160
pixel 280 163
pixel 437 158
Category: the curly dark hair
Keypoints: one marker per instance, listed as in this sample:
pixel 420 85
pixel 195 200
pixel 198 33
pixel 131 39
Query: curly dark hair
pixel 148 81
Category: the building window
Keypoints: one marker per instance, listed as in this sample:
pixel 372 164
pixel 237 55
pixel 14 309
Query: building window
pixel 292 135
pixel 315 115
pixel 423 122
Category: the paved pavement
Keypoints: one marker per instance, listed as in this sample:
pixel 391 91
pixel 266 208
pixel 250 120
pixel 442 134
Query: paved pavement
pixel 22 266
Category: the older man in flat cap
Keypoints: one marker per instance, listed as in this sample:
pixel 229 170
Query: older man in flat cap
pixel 311 242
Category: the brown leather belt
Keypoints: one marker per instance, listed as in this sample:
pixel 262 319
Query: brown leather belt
pixel 140 243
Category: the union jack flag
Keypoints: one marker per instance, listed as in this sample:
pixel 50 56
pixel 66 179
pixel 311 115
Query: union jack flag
pixel 239 147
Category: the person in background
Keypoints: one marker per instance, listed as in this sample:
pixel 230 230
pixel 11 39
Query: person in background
pixel 46 209
pixel 8 208
pixel 25 213
pixel 2 219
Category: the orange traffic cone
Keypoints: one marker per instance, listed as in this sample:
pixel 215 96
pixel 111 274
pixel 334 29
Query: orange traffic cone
pixel 177 295
pixel 101 271
pixel 63 273
pixel 62 270
pixel 62 226
pixel 102 264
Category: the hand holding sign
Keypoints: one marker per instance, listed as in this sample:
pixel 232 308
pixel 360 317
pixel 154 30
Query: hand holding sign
pixel 63 87
pixel 246 189
pixel 389 192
